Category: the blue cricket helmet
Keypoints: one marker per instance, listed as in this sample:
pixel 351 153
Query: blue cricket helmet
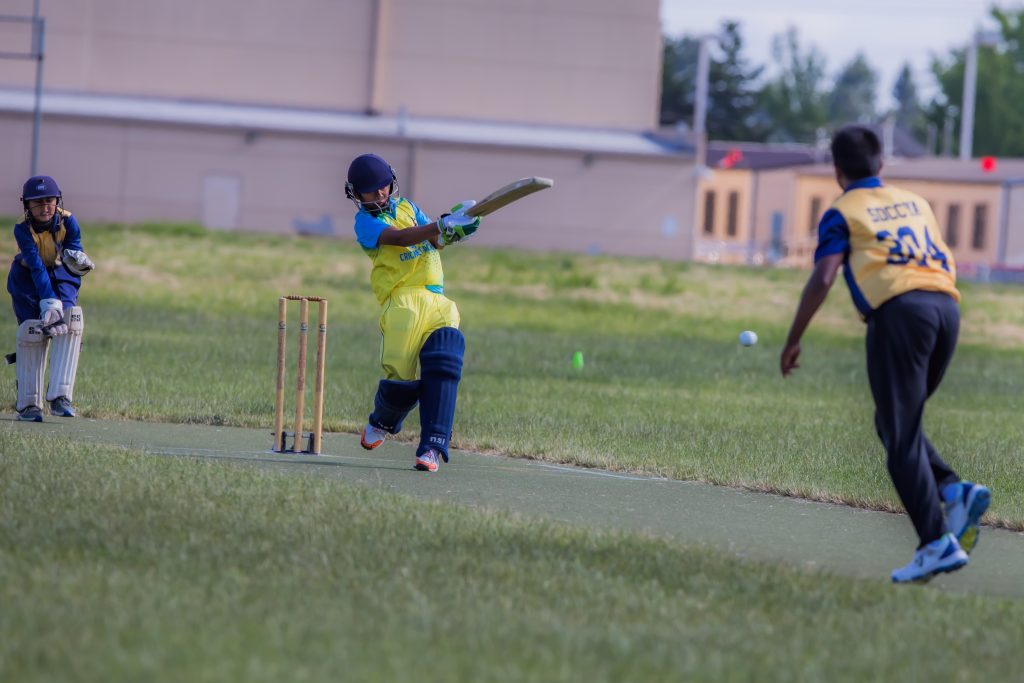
pixel 40 187
pixel 368 173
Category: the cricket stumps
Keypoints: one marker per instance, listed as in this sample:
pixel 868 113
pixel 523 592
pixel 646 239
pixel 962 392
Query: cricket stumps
pixel 313 438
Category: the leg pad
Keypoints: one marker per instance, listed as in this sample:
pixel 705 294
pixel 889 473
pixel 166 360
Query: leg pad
pixel 392 403
pixel 440 373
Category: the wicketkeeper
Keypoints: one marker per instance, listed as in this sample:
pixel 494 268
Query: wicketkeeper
pixel 43 283
pixel 422 347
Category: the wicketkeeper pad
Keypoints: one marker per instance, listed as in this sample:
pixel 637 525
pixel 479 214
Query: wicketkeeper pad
pixel 64 356
pixel 31 363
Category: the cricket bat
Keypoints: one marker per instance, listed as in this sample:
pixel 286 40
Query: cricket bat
pixel 508 194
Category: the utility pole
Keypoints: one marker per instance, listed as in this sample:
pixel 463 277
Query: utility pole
pixel 38 28
pixel 980 38
pixel 38 49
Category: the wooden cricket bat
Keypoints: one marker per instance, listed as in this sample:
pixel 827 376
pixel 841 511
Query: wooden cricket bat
pixel 508 194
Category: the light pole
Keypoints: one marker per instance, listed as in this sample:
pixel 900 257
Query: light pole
pixel 700 102
pixel 987 39
pixel 38 48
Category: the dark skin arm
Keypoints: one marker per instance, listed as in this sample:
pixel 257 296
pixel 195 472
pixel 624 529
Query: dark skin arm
pixel 410 236
pixel 818 285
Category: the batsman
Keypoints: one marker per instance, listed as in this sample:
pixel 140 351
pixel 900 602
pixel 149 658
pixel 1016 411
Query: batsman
pixel 421 347
pixel 43 282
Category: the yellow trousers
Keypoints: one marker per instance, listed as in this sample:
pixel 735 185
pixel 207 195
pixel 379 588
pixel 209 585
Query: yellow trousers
pixel 407 318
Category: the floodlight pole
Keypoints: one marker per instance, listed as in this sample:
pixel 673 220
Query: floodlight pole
pixel 38 48
pixel 988 39
pixel 700 102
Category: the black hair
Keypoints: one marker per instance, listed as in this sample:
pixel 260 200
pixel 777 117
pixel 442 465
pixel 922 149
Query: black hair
pixel 856 152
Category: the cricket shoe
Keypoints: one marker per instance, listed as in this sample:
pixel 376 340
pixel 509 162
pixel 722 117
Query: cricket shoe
pixel 372 437
pixel 937 557
pixel 427 461
pixel 30 414
pixel 966 502
pixel 61 406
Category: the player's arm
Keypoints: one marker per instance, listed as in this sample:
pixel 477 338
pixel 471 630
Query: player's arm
pixel 815 291
pixel 406 237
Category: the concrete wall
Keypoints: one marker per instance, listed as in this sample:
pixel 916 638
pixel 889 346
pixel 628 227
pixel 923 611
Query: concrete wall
pixel 590 63
pixel 291 183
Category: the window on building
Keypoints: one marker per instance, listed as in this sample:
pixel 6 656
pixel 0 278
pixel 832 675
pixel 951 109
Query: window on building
pixel 815 217
pixel 709 212
pixel 953 225
pixel 978 233
pixel 731 216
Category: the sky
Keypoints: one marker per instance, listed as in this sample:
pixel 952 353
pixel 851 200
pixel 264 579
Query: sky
pixel 888 32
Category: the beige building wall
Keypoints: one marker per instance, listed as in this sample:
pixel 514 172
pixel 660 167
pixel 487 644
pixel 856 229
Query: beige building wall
pixel 1013 227
pixel 589 63
pixel 287 183
pixel 773 210
pixel 723 227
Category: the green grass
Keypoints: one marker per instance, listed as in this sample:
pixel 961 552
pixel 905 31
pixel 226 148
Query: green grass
pixel 120 566
pixel 181 327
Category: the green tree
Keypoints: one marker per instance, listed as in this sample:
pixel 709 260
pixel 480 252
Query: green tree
pixel 853 96
pixel 733 111
pixel 998 118
pixel 678 80
pixel 793 102
pixel 732 107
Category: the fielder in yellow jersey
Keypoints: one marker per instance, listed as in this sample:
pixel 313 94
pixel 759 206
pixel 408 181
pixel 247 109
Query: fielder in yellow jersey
pixel 902 278
pixel 418 323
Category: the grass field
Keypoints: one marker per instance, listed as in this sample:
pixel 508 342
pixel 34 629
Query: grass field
pixel 118 566
pixel 181 326
pixel 115 565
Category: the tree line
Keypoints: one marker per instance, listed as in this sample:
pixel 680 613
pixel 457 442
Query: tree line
pixel 799 101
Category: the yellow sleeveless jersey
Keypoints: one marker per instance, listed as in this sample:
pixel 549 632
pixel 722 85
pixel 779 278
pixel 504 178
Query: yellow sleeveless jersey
pixel 418 265
pixel 892 242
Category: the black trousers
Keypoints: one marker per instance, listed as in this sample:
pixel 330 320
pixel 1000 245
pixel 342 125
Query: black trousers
pixel 910 341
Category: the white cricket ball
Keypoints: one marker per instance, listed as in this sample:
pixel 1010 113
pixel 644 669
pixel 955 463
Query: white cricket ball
pixel 748 338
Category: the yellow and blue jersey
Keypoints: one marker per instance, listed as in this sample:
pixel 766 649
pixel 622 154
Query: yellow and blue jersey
pixel 39 250
pixel 891 242
pixel 418 265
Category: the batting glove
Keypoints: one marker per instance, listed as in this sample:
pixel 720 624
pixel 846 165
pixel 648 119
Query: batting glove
pixel 457 226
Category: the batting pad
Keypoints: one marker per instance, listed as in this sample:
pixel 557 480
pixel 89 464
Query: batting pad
pixel 392 403
pixel 64 356
pixel 440 372
pixel 31 363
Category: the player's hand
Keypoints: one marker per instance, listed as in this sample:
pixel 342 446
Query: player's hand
pixel 787 361
pixel 457 226
pixel 77 262
pixel 52 317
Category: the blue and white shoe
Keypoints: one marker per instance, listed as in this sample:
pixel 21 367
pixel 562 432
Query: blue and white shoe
pixel 965 504
pixel 30 414
pixel 62 406
pixel 937 557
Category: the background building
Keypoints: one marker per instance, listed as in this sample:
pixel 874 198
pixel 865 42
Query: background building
pixel 244 115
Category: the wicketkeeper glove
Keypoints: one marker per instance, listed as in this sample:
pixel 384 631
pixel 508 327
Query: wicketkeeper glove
pixel 457 226
pixel 77 262
pixel 52 317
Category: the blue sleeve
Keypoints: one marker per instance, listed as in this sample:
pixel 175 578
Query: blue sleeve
pixel 72 234
pixel 368 230
pixel 833 235
pixel 421 218
pixel 30 257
